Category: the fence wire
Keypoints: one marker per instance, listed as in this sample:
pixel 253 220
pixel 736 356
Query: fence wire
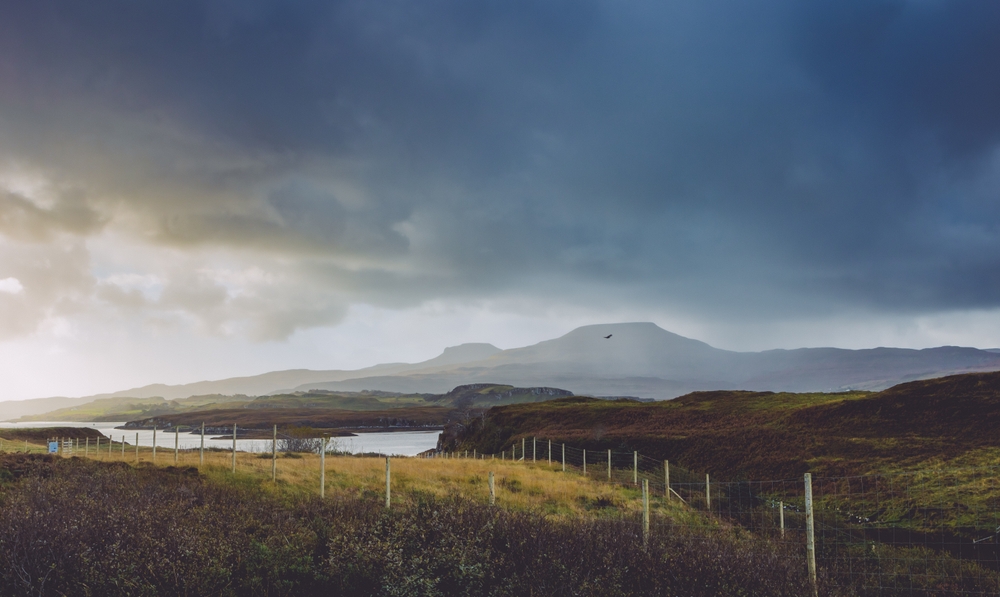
pixel 933 532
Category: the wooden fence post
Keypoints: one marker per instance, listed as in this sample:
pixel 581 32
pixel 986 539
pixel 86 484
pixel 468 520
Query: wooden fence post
pixel 609 465
pixel 781 518
pixel 388 484
pixel 523 452
pixel 201 450
pixel 645 511
pixel 564 457
pixel 584 462
pixel 177 443
pixel 666 478
pixel 123 446
pixel 274 456
pixel 635 467
pixel 234 447
pixel 86 449
pixel 154 443
pixel 137 447
pixel 493 491
pixel 322 469
pixel 708 494
pixel 97 450
pixel 534 449
pixel 810 535
pixel 550 452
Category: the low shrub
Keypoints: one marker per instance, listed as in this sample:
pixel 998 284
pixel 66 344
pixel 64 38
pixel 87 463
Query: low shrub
pixel 78 527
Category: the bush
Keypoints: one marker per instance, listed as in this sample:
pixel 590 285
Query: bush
pixel 78 527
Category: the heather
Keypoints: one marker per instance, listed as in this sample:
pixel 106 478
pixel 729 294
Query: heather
pixel 78 527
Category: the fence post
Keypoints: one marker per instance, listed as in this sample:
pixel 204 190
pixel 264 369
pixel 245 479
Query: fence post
pixel 388 484
pixel 473 453
pixel 708 494
pixel 584 462
pixel 274 456
pixel 609 465
pixel 234 447
pixel 97 450
pixel 550 452
pixel 534 449
pixel 322 469
pixel 781 517
pixel 201 450
pixel 666 478
pixel 177 442
pixel 123 446
pixel 564 457
pixel 523 447
pixel 493 491
pixel 137 447
pixel 645 511
pixel 810 535
pixel 635 467
pixel 154 443
pixel 86 449
pixel 111 444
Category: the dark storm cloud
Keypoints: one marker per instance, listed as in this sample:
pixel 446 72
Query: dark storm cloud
pixel 726 157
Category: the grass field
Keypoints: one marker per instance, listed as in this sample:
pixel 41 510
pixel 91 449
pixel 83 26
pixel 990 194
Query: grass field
pixel 350 539
pixel 518 486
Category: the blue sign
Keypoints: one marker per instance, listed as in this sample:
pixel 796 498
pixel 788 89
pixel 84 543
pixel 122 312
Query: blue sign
pixel 53 447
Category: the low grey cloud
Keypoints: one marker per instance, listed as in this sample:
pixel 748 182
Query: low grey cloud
pixel 727 159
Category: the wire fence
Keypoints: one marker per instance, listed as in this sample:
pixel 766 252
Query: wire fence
pixel 932 532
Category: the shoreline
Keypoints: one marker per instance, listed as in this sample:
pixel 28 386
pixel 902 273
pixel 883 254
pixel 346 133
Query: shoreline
pixel 220 434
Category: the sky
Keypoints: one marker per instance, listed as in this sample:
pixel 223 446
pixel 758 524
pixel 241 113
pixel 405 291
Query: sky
pixel 197 189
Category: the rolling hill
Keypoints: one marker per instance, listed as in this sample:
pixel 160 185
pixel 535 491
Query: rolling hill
pixel 767 435
pixel 639 359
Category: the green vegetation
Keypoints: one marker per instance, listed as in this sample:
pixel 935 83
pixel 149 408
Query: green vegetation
pixel 921 457
pixel 317 408
pixel 125 409
pixel 72 526
pixel 765 435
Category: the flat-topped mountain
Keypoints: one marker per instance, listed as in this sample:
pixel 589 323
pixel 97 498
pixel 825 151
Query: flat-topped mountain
pixel 642 359
pixel 622 359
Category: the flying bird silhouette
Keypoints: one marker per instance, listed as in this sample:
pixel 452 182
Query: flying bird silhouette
pixel 608 336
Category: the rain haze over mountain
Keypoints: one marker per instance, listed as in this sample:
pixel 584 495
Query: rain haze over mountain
pixel 196 190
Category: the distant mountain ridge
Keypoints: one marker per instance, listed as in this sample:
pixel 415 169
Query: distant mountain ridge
pixel 639 359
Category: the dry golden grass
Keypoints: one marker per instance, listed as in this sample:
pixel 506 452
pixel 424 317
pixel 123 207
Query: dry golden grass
pixel 519 486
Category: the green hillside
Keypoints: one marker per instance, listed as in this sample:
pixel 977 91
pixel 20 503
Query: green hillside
pixel 764 435
pixel 303 407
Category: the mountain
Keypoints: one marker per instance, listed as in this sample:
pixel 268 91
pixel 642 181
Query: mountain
pixel 642 359
pixel 254 385
pixel 639 359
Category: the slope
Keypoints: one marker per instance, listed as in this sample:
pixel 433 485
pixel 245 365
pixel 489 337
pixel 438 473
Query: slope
pixel 764 435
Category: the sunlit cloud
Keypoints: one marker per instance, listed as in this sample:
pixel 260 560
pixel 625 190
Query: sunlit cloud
pixel 757 174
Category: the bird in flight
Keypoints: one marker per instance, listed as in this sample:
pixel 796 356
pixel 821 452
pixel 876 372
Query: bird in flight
pixel 608 336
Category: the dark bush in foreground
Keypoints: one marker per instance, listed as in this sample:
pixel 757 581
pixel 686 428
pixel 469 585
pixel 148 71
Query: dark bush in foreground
pixel 76 527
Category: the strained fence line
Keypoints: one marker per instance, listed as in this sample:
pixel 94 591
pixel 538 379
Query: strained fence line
pixel 779 508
